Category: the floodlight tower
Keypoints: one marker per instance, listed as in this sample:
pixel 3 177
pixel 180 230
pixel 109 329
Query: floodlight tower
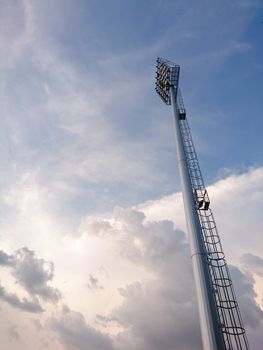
pixel 220 320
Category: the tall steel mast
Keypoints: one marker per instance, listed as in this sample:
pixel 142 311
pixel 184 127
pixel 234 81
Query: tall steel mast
pixel 220 320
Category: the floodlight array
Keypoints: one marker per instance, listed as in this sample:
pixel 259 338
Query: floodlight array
pixel 167 75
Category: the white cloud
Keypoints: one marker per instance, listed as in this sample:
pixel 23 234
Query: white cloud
pixel 167 292
pixel 149 274
pixel 253 262
pixel 158 311
pixel 17 30
pixel 236 202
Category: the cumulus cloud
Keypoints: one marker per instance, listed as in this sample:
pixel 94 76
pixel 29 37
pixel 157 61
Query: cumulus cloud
pixel 237 204
pixel 33 275
pixel 156 309
pixel 24 304
pixel 253 262
pixel 160 312
pixel 156 316
pixel 244 287
pixel 95 226
pixel 5 259
pixel 157 313
pixel 75 334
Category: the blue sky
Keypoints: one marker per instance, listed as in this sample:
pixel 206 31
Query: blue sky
pixel 83 133
pixel 96 49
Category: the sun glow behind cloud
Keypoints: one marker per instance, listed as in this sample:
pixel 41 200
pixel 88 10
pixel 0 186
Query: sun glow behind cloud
pixel 128 249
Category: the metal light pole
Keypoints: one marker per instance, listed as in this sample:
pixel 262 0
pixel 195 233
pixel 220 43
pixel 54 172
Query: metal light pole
pixel 220 321
pixel 211 335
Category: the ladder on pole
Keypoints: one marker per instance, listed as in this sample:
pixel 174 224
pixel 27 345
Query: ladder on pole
pixel 231 323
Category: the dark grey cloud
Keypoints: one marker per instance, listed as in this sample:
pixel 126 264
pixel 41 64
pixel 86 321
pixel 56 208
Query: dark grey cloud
pixel 5 259
pixel 24 304
pixel 253 262
pixel 34 274
pixel 75 334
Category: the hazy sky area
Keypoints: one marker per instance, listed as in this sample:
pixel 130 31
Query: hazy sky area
pixel 94 253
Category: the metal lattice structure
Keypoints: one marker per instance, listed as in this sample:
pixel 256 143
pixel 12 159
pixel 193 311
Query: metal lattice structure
pixel 219 309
